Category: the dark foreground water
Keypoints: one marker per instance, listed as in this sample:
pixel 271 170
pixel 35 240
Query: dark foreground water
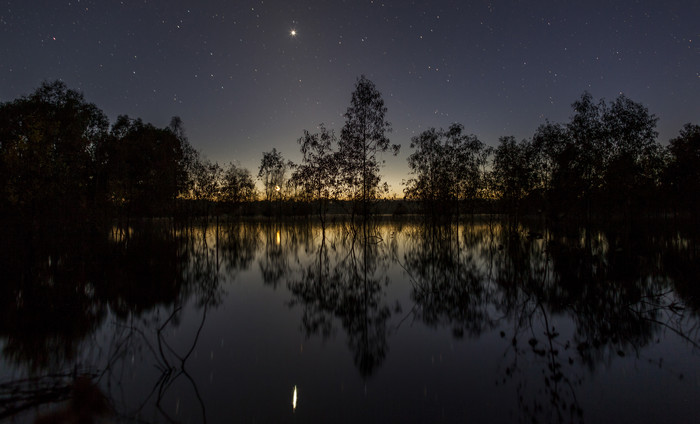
pixel 402 322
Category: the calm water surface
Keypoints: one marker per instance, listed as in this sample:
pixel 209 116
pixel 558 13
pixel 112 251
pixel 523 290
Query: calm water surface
pixel 267 321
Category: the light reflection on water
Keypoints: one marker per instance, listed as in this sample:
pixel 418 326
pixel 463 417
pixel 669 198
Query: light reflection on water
pixel 398 322
pixel 294 399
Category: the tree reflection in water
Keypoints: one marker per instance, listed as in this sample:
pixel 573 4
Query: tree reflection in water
pixel 613 287
pixel 563 302
pixel 63 287
pixel 448 277
pixel 282 241
pixel 349 287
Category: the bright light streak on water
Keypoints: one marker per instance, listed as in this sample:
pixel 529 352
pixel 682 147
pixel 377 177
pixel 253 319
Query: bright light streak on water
pixel 294 399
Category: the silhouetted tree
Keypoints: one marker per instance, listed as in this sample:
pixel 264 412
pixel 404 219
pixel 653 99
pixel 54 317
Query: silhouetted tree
pixel 47 145
pixel 606 159
pixel 447 168
pixel 237 185
pixel 362 139
pixel 272 173
pixel 142 167
pixel 207 177
pixel 514 172
pixel 470 160
pixel 587 134
pixel 634 158
pixel 556 173
pixel 682 176
pixel 188 161
pixel 318 171
pixel 435 181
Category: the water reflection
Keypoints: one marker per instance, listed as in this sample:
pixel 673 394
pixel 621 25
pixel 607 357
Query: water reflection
pixel 611 287
pixel 126 309
pixel 282 242
pixel 445 264
pixel 344 281
pixel 66 287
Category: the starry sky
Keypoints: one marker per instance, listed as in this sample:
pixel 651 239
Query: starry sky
pixel 247 76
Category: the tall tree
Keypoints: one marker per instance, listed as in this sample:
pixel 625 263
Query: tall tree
pixel 590 148
pixel 188 160
pixel 362 139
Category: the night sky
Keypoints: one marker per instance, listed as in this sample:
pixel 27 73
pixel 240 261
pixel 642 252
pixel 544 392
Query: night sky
pixel 247 76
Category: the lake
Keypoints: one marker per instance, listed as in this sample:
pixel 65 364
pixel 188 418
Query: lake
pixel 398 321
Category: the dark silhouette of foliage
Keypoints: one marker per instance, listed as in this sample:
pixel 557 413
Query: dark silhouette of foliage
pixel 447 167
pixel 362 139
pixel 207 180
pixel 188 161
pixel 47 146
pixel 682 175
pixel 238 185
pixel 514 172
pixel 605 161
pixel 557 174
pixel 272 173
pixel 588 148
pixel 60 160
pixel 318 172
pixel 635 160
pixel 141 163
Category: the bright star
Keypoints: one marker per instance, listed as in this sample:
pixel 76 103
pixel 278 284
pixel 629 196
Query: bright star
pixel 293 33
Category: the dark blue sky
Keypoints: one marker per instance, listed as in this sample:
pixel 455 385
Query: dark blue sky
pixel 243 84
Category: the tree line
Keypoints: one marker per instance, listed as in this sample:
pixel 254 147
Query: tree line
pixel 605 161
pixel 61 158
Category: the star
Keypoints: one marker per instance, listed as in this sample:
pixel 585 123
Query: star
pixel 293 33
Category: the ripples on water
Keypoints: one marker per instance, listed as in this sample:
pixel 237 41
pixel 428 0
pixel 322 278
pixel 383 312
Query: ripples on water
pixel 263 321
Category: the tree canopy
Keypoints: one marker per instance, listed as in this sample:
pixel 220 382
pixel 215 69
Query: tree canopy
pixel 446 165
pixel 60 158
pixel 48 142
pixel 362 139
